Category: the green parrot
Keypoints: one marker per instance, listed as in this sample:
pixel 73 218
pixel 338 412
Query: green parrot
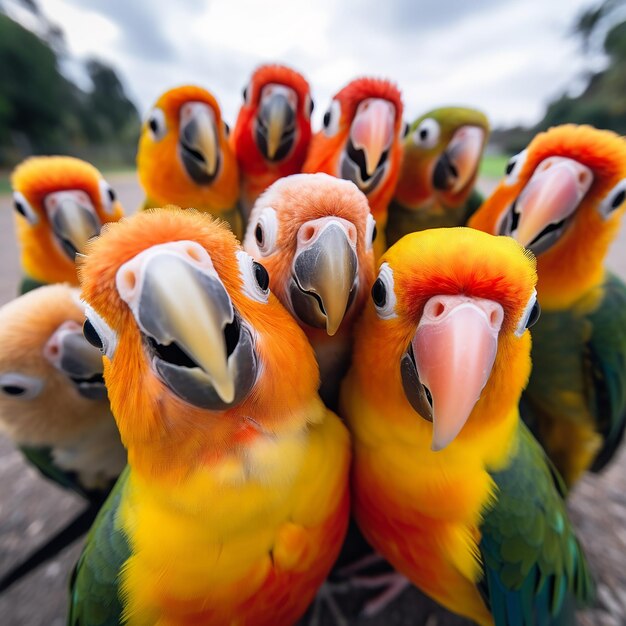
pixel 442 151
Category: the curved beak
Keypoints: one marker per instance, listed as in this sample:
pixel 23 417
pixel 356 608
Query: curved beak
pixel 73 219
pixel 275 130
pixel 454 348
pixel 198 141
pixel 69 351
pixel 325 272
pixel 372 131
pixel 458 164
pixel 553 193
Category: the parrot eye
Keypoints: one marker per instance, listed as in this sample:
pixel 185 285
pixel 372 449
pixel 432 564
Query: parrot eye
pixel 426 135
pixel 245 94
pixel 256 280
pixel 405 130
pixel 370 232
pixel 331 118
pixel 20 386
pixel 513 167
pixel 614 199
pixel 226 129
pixel 98 333
pixel 156 124
pixel 529 316
pixel 311 104
pixel 383 294
pixel 22 206
pixel 265 231
pixel 107 197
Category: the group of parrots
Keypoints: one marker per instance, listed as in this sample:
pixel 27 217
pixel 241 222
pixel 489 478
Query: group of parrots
pixel 274 365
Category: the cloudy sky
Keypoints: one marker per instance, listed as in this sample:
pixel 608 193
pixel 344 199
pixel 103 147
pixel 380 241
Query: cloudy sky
pixel 507 57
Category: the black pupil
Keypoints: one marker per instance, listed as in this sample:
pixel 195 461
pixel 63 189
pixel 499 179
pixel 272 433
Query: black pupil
pixel 13 390
pixel 227 128
pixel 111 194
pixel 258 233
pixel 534 315
pixel 509 167
pixel 245 93
pixel 261 275
pixel 423 133
pixel 311 107
pixel 91 335
pixel 619 198
pixel 374 233
pixel 379 293
pixel 20 208
pixel 153 125
pixel 405 130
pixel 326 119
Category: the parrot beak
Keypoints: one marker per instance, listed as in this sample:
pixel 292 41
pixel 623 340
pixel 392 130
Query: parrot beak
pixel 371 136
pixel 457 166
pixel 68 351
pixel 324 272
pixel 453 351
pixel 540 214
pixel 200 346
pixel 198 142
pixel 73 219
pixel 276 121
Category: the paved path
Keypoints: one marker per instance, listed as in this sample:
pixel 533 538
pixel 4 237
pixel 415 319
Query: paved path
pixel 31 508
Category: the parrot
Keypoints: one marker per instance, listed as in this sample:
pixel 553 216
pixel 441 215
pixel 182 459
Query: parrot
pixel 563 198
pixel 361 141
pixel 54 407
pixel 236 497
pixel 273 129
pixel 60 202
pixel 442 151
pixel 184 157
pixel 314 233
pixel 448 484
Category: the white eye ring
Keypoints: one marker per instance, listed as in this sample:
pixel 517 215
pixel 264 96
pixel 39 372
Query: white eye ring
pixel 157 127
pixel 20 386
pixel 108 197
pixel 514 167
pixel 426 135
pixel 370 232
pixel 248 270
pixel 22 206
pixel 331 118
pixel 529 316
pixel 265 231
pixel 383 294
pixel 613 200
pixel 107 335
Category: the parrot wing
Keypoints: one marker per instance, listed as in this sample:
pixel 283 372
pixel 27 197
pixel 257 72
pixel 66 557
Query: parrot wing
pixel 605 360
pixel 533 564
pixel 94 585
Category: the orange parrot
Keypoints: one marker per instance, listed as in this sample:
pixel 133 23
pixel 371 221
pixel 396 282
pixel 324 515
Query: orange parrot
pixel 273 130
pixel 184 157
pixel 60 202
pixel 564 197
pixel 235 501
pixel 362 141
pixel 447 482
pixel 315 234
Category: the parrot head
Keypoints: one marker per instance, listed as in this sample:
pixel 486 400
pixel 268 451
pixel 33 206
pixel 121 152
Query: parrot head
pixel 195 345
pixel 60 202
pixel 361 139
pixel 51 383
pixel 315 235
pixel 563 198
pixel 273 128
pixel 184 156
pixel 446 329
pixel 442 152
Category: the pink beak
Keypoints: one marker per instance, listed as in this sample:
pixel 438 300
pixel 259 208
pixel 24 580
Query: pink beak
pixel 455 346
pixel 372 130
pixel 553 193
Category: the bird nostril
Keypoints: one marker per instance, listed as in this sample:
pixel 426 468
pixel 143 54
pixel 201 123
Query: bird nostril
pixel 582 178
pixel 438 309
pixel 493 318
pixel 308 232
pixel 194 254
pixel 130 280
pixel 54 350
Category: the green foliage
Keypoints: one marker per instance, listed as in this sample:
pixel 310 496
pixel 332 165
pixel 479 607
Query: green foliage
pixel 43 112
